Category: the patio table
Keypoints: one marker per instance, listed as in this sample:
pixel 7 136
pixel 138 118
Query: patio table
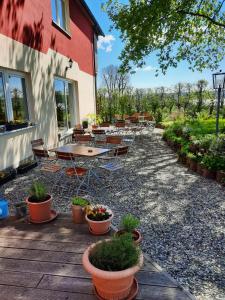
pixel 83 151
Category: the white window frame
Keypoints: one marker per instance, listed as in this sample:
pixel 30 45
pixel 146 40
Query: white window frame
pixel 74 104
pixel 67 14
pixel 6 88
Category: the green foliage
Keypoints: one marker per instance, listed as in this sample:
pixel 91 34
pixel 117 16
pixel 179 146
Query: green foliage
pixel 213 163
pixel 118 254
pixel 178 30
pixel 38 191
pixel 80 201
pixel 129 223
pixel 192 156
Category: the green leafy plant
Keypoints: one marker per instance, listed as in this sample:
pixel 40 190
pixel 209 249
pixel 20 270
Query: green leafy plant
pixel 38 192
pixel 98 213
pixel 213 163
pixel 129 223
pixel 192 156
pixel 120 253
pixel 80 201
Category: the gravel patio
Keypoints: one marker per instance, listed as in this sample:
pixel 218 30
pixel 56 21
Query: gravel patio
pixel 182 215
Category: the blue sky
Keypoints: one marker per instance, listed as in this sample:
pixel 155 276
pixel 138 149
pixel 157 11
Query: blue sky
pixel 111 46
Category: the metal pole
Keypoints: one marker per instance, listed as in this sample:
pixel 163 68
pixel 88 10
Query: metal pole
pixel 218 111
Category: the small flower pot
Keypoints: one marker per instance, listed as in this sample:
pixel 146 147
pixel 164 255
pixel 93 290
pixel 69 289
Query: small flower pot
pixel 99 227
pixel 220 177
pixel 21 210
pixel 137 237
pixel 111 285
pixel 182 159
pixel 208 173
pixel 192 165
pixel 40 212
pixel 199 169
pixel 78 213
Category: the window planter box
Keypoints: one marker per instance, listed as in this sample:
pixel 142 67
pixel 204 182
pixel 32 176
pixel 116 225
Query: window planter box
pixel 26 167
pixel 10 127
pixel 6 176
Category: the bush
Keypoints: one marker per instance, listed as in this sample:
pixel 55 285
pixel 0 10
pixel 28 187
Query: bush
pixel 118 254
pixel 213 163
pixel 80 201
pixel 38 192
pixel 129 223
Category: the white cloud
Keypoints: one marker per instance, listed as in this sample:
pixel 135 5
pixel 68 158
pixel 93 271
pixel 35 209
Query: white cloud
pixel 105 42
pixel 145 69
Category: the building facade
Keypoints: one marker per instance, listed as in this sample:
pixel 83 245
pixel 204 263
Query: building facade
pixel 47 72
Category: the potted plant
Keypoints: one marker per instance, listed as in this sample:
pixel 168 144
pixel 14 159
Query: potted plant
pixel 39 203
pixel 7 175
pixel 99 219
pixel 113 264
pixel 78 209
pixel 209 166
pixel 20 209
pixel 15 125
pixel 129 224
pixel 85 124
pixel 26 166
pixel 192 161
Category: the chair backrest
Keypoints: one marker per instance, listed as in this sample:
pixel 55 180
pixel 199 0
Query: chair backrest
pixel 113 139
pixel 120 124
pixel 40 152
pixel 121 151
pixel 78 131
pixel 38 142
pixel 83 138
pixel 64 156
pixel 98 131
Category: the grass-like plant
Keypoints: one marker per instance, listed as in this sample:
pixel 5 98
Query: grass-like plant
pixel 80 201
pixel 120 253
pixel 38 192
pixel 129 223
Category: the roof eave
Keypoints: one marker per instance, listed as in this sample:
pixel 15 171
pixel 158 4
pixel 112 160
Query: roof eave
pixel 97 27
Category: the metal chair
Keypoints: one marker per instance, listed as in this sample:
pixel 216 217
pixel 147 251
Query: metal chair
pixel 86 139
pixel 99 136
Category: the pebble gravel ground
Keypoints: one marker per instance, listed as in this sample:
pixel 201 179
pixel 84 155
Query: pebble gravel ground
pixel 182 214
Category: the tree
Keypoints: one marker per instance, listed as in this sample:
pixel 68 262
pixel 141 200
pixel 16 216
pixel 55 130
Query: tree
pixel 191 30
pixel 201 88
pixel 178 90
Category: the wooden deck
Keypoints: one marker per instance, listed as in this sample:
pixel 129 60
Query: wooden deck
pixel 43 262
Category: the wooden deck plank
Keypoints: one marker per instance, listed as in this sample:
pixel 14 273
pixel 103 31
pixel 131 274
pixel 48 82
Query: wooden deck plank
pixel 21 293
pixel 66 284
pixel 19 279
pixel 43 267
pixel 153 278
pixel 76 247
pixel 148 292
pixel 40 255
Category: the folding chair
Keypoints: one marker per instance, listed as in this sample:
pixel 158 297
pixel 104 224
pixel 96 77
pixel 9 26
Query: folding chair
pixel 99 136
pixel 86 139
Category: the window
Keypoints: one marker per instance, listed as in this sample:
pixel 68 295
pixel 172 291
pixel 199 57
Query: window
pixel 13 101
pixel 64 104
pixel 60 13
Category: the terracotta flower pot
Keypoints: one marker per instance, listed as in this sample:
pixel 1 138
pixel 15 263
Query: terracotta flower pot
pixel 137 237
pixel 111 285
pixel 99 227
pixel 208 173
pixel 40 212
pixel 78 214
pixel 199 169
pixel 220 176
pixel 192 165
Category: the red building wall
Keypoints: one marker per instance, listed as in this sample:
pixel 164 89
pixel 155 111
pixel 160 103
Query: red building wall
pixel 30 22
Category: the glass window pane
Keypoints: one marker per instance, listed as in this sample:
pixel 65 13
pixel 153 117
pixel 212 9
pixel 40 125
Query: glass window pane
pixel 61 14
pixel 2 102
pixel 54 12
pixel 61 105
pixel 18 98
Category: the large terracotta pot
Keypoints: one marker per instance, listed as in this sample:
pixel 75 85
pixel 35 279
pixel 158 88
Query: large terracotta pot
pixel 199 169
pixel 78 214
pixel 192 165
pixel 99 227
pixel 220 177
pixel 114 285
pixel 40 212
pixel 208 174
